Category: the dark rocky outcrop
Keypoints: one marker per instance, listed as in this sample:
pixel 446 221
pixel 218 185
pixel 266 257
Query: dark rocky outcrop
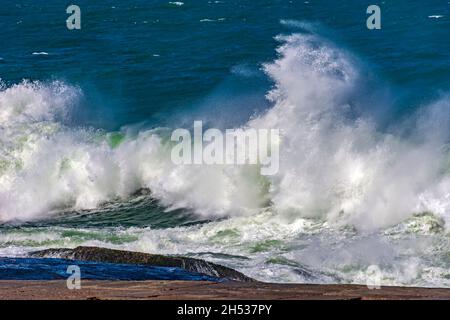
pixel 105 255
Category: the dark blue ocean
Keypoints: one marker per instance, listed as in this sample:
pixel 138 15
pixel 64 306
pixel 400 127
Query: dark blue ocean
pixel 58 269
pixel 364 177
pixel 149 61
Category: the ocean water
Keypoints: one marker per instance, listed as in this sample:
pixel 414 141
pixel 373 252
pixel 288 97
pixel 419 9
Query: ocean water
pixel 364 177
pixel 56 269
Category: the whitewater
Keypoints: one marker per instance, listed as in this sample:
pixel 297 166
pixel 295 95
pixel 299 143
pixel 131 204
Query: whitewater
pixel 353 189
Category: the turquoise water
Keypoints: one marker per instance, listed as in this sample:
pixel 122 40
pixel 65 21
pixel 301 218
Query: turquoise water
pixel 85 117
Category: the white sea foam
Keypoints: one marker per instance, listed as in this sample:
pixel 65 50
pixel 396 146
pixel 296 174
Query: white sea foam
pixel 335 165
pixel 305 25
pixel 340 167
pixel 212 20
pixel 46 166
pixel 270 248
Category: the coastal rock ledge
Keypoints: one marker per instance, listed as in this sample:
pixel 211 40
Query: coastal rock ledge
pixel 96 254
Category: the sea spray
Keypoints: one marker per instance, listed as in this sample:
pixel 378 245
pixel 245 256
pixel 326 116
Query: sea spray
pixel 234 147
pixel 335 163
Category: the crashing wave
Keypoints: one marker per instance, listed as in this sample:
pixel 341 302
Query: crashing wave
pixel 336 164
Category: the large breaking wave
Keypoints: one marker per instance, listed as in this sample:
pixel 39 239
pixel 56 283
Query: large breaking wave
pixel 337 162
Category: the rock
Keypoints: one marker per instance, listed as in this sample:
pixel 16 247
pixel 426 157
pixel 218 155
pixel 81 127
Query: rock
pixel 206 290
pixel 105 255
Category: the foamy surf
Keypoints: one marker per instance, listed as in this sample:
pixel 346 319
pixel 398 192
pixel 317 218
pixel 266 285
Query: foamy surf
pixel 349 193
pixel 269 249
pixel 335 163
pixel 176 3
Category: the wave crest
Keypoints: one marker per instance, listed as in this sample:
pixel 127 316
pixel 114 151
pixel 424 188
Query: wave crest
pixel 336 163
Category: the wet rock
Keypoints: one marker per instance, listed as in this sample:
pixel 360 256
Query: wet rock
pixel 105 255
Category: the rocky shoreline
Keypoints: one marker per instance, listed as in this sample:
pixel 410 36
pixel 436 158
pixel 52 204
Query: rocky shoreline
pixel 203 290
pixel 96 254
pixel 237 286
